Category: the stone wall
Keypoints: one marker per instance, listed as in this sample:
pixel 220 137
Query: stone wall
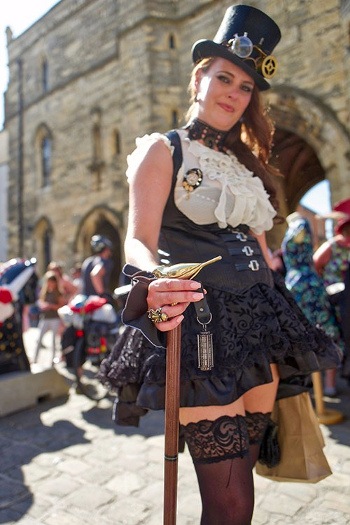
pixel 122 68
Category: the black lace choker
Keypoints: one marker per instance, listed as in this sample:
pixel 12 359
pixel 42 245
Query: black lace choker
pixel 211 137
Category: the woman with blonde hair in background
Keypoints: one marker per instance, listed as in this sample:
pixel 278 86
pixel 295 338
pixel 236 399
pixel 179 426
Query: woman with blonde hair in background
pixel 50 300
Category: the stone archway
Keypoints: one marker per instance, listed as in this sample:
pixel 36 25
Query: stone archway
pixel 101 220
pixel 310 145
pixel 43 237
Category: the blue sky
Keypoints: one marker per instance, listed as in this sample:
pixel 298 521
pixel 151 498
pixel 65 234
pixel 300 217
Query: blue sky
pixel 318 198
pixel 21 14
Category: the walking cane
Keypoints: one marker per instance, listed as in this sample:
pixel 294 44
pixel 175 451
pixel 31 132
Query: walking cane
pixel 171 446
pixel 172 394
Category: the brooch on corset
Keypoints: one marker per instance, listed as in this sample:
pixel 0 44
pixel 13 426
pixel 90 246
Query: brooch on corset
pixel 192 179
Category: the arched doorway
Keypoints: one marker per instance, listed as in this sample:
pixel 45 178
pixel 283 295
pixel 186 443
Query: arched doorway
pixel 101 221
pixel 43 235
pixel 301 170
pixel 310 145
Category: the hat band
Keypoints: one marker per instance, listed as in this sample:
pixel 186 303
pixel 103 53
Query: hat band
pixel 243 47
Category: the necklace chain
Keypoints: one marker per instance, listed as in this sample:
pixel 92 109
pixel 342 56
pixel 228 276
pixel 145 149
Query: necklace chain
pixel 212 138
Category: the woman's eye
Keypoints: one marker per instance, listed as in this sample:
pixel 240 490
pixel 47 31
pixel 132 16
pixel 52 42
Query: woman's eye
pixel 224 79
pixel 247 89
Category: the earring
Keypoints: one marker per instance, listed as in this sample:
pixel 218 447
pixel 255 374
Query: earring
pixel 196 97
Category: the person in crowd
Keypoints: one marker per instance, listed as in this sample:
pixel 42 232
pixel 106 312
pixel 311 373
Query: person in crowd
pixel 332 261
pixel 51 298
pixel 307 286
pixel 96 270
pixel 277 262
pixel 66 284
pixel 76 277
pixel 219 202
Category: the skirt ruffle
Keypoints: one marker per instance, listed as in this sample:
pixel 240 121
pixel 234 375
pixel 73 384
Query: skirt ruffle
pixel 259 326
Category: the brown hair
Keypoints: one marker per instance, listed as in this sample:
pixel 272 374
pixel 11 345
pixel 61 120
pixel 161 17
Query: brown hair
pixel 250 139
pixel 49 276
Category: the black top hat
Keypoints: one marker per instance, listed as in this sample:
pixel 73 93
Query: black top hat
pixel 246 37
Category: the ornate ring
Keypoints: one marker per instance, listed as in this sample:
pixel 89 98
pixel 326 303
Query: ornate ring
pixel 157 316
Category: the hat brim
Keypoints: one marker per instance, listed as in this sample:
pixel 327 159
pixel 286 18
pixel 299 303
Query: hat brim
pixel 208 48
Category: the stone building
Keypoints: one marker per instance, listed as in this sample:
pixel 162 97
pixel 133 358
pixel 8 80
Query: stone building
pixel 3 194
pixel 91 75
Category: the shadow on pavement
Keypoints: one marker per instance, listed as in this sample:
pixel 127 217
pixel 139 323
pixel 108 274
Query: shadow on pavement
pixel 152 424
pixel 22 439
pixel 340 403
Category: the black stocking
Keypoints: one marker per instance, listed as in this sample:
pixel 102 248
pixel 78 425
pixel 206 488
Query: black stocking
pixel 256 424
pixel 220 453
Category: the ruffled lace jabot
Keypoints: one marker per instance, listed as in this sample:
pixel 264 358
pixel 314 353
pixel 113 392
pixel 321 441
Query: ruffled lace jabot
pixel 229 193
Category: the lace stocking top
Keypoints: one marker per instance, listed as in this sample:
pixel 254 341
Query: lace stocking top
pixel 229 193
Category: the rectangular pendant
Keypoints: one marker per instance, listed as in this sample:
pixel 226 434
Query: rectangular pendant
pixel 205 350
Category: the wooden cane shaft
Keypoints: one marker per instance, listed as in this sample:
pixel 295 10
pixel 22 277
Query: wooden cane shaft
pixel 172 403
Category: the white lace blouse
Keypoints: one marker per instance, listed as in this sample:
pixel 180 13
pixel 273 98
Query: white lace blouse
pixel 229 194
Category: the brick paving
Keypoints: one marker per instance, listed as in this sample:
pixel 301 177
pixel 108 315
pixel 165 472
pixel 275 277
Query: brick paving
pixel 64 462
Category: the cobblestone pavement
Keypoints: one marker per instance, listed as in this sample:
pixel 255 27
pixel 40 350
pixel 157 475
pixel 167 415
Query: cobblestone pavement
pixel 64 462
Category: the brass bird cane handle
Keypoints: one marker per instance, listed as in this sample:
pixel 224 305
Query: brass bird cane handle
pixel 182 270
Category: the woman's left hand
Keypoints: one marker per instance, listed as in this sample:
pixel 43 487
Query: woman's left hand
pixel 167 299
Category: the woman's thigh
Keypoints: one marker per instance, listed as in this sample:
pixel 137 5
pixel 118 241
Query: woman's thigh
pixel 262 398
pixel 258 399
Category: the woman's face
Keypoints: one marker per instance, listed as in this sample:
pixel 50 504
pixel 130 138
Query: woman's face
pixel 223 94
pixel 51 284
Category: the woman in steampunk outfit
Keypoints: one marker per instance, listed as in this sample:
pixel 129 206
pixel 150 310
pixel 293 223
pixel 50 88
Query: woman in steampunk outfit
pixel 219 202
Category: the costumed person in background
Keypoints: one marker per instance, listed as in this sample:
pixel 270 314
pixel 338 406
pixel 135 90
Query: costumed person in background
pixel 96 270
pixel 95 278
pixel 307 286
pixel 18 281
pixel 51 298
pixel 219 203
pixel 332 260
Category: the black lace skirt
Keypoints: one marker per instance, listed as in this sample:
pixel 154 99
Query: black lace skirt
pixel 259 326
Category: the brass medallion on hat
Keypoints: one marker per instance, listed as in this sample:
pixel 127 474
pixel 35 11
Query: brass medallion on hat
pixel 247 38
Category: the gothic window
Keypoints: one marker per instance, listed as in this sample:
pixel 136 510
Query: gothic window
pixel 43 155
pixel 46 153
pixel 45 76
pixel 174 118
pixel 97 162
pixel 172 42
pixel 47 247
pixel 116 143
pixel 43 234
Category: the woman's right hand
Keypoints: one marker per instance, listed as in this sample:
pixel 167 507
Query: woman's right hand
pixel 171 297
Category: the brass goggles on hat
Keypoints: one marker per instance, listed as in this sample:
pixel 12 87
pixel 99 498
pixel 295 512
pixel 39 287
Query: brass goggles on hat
pixel 243 47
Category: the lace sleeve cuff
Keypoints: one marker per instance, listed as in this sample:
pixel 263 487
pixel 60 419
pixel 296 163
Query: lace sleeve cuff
pixel 135 311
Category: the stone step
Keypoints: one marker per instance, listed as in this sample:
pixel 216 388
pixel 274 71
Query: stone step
pixel 20 390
